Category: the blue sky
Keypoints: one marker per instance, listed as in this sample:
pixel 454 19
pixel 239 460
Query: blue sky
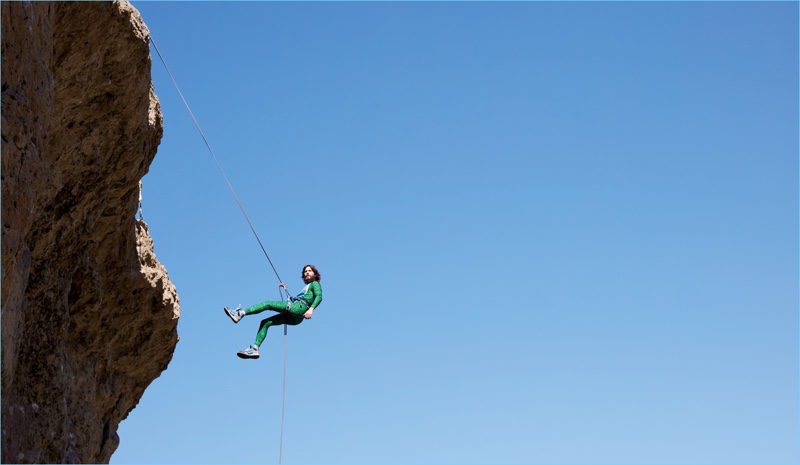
pixel 549 232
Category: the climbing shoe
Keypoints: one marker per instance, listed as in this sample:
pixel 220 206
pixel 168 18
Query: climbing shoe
pixel 235 314
pixel 250 352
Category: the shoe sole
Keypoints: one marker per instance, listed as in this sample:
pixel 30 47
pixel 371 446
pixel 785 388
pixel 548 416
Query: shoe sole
pixel 244 355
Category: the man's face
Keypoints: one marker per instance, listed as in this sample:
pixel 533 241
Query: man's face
pixel 308 274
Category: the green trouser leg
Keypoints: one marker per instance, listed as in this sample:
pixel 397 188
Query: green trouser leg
pixel 293 317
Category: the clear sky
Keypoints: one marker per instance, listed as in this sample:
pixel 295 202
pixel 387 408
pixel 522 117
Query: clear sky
pixel 558 232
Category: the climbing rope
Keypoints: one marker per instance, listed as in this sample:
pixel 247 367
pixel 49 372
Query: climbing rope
pixel 283 388
pixel 283 394
pixel 215 160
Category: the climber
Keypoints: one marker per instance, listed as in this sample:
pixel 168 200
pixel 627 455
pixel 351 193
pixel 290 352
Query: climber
pixel 289 313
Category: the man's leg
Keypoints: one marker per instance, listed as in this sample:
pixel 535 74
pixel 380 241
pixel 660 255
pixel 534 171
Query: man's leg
pixel 280 319
pixel 274 305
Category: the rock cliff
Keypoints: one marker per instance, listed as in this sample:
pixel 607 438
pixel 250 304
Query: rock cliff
pixel 89 316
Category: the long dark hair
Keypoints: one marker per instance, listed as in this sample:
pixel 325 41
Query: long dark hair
pixel 317 276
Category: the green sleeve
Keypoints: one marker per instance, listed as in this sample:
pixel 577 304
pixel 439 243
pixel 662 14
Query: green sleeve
pixel 316 289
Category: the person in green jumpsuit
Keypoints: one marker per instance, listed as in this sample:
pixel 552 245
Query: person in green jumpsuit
pixel 289 313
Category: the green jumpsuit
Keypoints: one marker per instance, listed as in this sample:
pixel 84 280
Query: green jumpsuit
pixel 294 316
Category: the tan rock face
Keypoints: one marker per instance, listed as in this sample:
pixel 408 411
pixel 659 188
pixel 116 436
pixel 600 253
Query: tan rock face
pixel 89 316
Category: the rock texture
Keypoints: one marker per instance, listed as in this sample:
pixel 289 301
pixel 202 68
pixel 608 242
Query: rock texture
pixel 89 316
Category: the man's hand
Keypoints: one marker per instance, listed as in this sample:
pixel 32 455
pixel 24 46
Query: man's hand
pixel 308 313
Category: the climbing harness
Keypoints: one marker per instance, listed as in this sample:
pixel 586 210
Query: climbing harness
pixel 283 394
pixel 291 299
pixel 301 300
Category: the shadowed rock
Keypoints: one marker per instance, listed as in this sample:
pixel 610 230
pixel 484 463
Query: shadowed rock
pixel 89 316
